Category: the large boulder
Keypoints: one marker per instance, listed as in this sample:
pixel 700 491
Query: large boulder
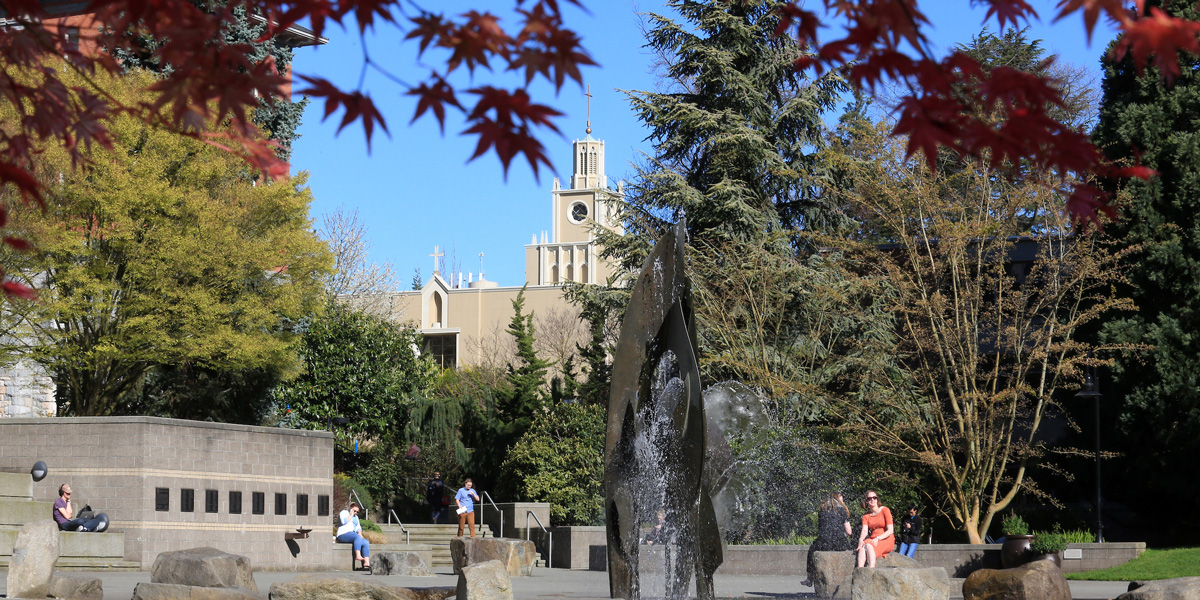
pixel 1038 580
pixel 203 567
pixel 832 571
pixel 399 563
pixel 886 583
pixel 1180 588
pixel 323 587
pixel 32 564
pixel 174 591
pixel 517 556
pixel 484 581
pixel 74 587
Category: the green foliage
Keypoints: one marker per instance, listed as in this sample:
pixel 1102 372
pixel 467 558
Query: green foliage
pixel 790 540
pixel 279 119
pixel 205 394
pixel 1049 542
pixel 1013 524
pixel 1151 565
pixel 368 525
pixel 736 137
pixel 1155 393
pixel 160 253
pixel 359 366
pixel 560 460
pixel 1079 536
pixel 342 485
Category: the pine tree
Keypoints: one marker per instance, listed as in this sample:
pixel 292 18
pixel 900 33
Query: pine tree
pixel 1146 119
pixel 526 397
pixel 736 136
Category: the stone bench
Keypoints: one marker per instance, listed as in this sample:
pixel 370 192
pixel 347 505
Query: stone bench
pixel 425 551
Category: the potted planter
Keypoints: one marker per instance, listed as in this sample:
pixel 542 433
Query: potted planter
pixel 1017 541
pixel 1049 546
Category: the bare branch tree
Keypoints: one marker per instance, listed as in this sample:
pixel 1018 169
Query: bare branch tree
pixel 367 285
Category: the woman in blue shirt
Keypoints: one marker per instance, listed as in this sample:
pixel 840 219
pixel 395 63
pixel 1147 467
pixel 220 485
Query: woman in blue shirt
pixel 466 499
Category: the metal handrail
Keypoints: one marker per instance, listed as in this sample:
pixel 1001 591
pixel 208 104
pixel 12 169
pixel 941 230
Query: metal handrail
pixel 392 513
pixel 493 503
pixel 550 543
pixel 360 504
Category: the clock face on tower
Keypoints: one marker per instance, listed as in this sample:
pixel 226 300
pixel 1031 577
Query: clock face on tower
pixel 578 212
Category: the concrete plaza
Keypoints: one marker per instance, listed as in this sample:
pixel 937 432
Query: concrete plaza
pixel 562 583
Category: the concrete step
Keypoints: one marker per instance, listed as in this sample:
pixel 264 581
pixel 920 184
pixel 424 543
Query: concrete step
pixel 16 486
pixel 73 544
pixel 19 512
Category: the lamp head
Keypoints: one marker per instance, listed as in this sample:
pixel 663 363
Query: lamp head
pixel 39 471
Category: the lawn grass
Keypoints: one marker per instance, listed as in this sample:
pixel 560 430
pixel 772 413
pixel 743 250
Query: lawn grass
pixel 1152 564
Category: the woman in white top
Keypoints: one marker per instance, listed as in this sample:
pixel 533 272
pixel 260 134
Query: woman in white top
pixel 350 532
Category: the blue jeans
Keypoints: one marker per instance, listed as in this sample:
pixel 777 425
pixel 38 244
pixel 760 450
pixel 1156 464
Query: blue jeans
pixel 361 545
pixel 75 524
pixel 908 549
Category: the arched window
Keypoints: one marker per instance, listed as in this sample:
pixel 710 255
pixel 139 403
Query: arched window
pixel 435 311
pixel 583 273
pixel 570 272
pixel 554 273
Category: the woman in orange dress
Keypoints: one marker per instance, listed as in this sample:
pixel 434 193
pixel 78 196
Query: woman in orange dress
pixel 876 539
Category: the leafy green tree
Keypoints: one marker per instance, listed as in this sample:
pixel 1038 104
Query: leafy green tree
pixel 162 252
pixel 560 460
pixel 358 366
pixel 1154 396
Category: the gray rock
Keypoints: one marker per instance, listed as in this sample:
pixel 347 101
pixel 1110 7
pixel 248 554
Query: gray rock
pixel 1180 588
pixel 323 587
pixel 484 581
pixel 32 564
pixel 832 571
pixel 885 583
pixel 203 567
pixel 74 587
pixel 399 563
pixel 517 556
pixel 1038 580
pixel 174 591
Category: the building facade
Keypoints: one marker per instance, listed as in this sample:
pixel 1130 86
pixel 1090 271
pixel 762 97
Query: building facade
pixel 464 323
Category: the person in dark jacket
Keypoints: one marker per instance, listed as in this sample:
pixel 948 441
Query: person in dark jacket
pixel 435 494
pixel 910 532
pixel 833 530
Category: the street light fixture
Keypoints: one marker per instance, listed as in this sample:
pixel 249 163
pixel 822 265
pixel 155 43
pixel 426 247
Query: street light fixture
pixel 1091 390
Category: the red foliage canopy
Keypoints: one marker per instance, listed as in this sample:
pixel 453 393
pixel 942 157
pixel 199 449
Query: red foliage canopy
pixel 215 83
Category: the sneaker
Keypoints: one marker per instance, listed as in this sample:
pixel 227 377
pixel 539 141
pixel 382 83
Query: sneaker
pixel 82 529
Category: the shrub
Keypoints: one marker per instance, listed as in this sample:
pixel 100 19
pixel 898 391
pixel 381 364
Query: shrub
pixel 1014 525
pixel 369 526
pixel 342 484
pixel 1048 542
pixel 560 460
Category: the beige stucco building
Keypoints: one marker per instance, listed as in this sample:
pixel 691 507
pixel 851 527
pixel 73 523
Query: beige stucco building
pixel 463 322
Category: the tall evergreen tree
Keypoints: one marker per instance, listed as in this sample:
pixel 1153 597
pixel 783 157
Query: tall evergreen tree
pixel 735 133
pixel 1155 397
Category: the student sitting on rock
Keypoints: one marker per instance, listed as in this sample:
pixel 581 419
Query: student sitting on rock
pixel 64 514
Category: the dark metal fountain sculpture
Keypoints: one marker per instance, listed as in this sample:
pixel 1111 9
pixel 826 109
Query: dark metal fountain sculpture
pixel 656 409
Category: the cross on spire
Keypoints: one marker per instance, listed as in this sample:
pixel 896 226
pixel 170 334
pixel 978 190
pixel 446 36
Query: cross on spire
pixel 436 255
pixel 589 109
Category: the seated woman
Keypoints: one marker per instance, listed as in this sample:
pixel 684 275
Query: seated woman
pixel 350 532
pixel 64 514
pixel 876 539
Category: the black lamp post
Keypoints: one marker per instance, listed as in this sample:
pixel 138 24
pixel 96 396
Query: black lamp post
pixel 1091 390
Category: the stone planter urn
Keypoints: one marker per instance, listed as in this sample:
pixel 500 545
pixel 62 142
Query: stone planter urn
pixel 1015 551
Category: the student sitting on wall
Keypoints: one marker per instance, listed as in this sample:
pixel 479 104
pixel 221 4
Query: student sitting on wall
pixel 350 532
pixel 64 514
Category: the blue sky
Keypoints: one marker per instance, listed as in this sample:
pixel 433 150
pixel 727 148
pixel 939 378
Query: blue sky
pixel 416 190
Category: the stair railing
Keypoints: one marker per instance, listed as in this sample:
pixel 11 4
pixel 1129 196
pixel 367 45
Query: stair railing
pixel 550 543
pixel 392 513
pixel 483 505
pixel 360 504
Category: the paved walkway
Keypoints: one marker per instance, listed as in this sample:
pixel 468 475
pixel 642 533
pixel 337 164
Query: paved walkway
pixel 548 584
